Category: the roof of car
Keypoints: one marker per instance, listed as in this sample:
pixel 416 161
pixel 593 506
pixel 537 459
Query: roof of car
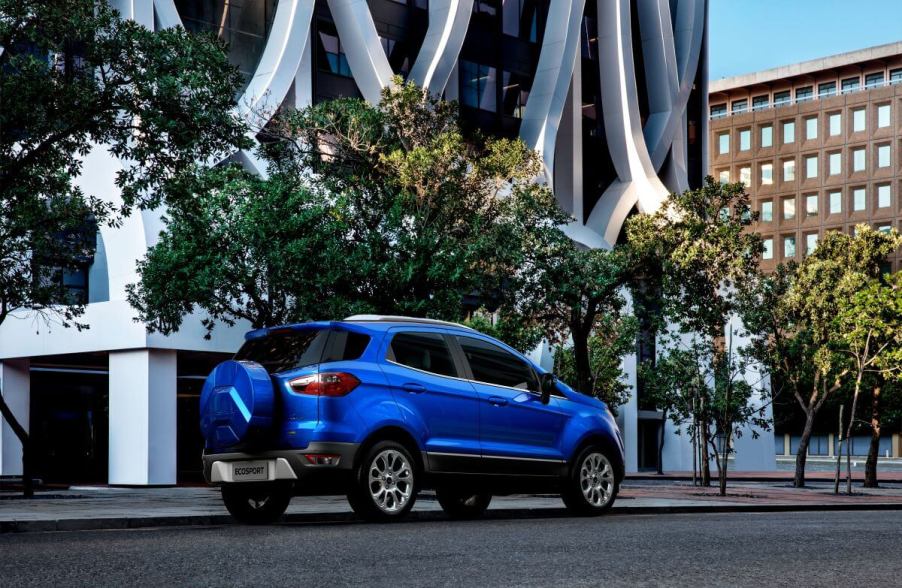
pixel 370 321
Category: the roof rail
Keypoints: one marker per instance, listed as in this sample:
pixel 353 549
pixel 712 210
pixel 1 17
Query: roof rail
pixel 387 318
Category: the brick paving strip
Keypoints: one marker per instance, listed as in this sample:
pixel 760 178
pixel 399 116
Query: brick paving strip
pixel 100 507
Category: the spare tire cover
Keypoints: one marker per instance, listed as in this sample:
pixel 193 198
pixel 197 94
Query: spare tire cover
pixel 237 399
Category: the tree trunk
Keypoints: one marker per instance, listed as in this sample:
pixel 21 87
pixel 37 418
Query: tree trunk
pixel 705 465
pixel 19 430
pixel 870 467
pixel 849 433
pixel 723 464
pixel 581 357
pixel 661 443
pixel 802 453
pixel 838 452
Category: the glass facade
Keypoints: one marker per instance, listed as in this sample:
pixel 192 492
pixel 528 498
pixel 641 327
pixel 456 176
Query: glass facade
pixel 478 85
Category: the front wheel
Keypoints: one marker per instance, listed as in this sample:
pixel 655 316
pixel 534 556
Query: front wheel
pixel 256 504
pixel 385 483
pixel 592 486
pixel 459 504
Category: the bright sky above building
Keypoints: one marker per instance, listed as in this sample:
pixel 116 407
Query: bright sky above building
pixel 751 35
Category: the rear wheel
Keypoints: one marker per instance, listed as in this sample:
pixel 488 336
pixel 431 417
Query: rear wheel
pixel 460 504
pixel 256 504
pixel 385 483
pixel 592 486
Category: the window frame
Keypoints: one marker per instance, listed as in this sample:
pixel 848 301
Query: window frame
pixel 389 354
pixel 454 339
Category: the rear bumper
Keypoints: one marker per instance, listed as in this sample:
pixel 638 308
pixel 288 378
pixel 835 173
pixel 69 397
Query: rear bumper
pixel 286 464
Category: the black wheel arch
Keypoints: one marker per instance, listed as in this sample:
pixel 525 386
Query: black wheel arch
pixel 611 450
pixel 391 433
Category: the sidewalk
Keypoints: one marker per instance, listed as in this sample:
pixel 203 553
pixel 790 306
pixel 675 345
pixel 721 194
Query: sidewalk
pixel 98 507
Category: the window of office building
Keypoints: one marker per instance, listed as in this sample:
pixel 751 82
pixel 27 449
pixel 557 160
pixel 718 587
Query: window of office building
pixel 858 159
pixel 810 243
pixel 767 136
pixel 885 228
pixel 331 56
pixel 883 154
pixel 789 246
pixel 760 102
pixel 718 111
pixel 789 208
pixel 486 9
pixel 781 98
pixel 810 167
pixel 745 176
pixel 789 170
pixel 835 202
pixel 826 89
pixel 858 120
pixel 745 139
pixel 478 85
pixel 811 205
pixel 724 176
pixel 835 163
pixel 723 143
pixel 789 132
pixel 859 201
pixel 520 18
pixel 835 121
pixel 884 196
pixel 515 93
pixel 851 84
pixel 883 115
pixel 740 106
pixel 895 76
pixel 767 211
pixel 811 128
pixel 767 173
pixel 804 94
pixel 873 80
pixel 768 252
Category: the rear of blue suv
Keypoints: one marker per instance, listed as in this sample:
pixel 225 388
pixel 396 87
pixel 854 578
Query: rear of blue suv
pixel 380 407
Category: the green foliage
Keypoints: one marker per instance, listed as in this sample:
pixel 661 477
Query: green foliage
pixel 75 76
pixel 510 329
pixel 611 339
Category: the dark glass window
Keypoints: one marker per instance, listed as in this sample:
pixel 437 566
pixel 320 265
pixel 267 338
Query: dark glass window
pixel 804 94
pixel 826 89
pixel 520 18
pixel 428 352
pixel 515 94
pixel 285 349
pixel 478 84
pixel 345 346
pixel 760 102
pixel 397 54
pixel 781 98
pixel 487 11
pixel 493 365
pixel 330 54
pixel 895 76
pixel 851 84
pixel 873 80
pixel 740 106
pixel 718 110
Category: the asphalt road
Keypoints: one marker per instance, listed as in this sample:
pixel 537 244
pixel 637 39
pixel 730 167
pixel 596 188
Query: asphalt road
pixel 774 549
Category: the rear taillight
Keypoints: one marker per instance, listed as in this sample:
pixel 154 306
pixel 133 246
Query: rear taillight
pixel 325 384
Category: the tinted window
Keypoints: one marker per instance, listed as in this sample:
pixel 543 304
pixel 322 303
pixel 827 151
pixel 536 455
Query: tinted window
pixel 423 351
pixel 494 365
pixel 285 350
pixel 345 346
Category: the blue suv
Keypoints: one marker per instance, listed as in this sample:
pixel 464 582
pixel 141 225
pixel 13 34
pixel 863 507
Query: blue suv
pixel 380 407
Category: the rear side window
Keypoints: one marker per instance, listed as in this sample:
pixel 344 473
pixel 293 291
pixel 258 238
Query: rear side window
pixel 345 346
pixel 493 365
pixel 285 350
pixel 428 352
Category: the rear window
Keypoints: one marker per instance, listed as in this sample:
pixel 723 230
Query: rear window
pixel 282 351
pixel 428 352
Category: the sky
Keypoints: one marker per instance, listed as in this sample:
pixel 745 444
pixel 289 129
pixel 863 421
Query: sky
pixel 751 35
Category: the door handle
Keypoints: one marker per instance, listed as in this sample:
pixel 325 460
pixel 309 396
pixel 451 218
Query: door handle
pixel 498 401
pixel 413 388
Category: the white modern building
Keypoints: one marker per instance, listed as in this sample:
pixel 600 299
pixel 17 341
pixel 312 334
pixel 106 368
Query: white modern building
pixel 613 93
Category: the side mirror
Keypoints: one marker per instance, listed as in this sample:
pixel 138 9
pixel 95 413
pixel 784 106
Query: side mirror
pixel 547 387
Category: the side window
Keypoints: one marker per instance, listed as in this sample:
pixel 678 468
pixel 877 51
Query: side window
pixel 345 346
pixel 423 351
pixel 493 365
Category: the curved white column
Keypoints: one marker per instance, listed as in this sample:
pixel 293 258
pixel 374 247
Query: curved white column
pixel 542 117
pixel 360 41
pixel 448 24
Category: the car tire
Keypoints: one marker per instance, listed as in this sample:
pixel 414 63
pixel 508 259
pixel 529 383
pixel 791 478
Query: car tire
pixel 462 505
pixel 385 483
pixel 592 486
pixel 256 504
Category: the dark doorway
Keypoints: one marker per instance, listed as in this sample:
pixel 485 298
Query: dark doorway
pixel 649 431
pixel 193 368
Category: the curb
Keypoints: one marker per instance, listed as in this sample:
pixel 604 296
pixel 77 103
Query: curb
pixel 125 523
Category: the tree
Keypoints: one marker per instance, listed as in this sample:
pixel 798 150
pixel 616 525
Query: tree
pixel 700 249
pixel 74 77
pixel 869 327
pixel 386 209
